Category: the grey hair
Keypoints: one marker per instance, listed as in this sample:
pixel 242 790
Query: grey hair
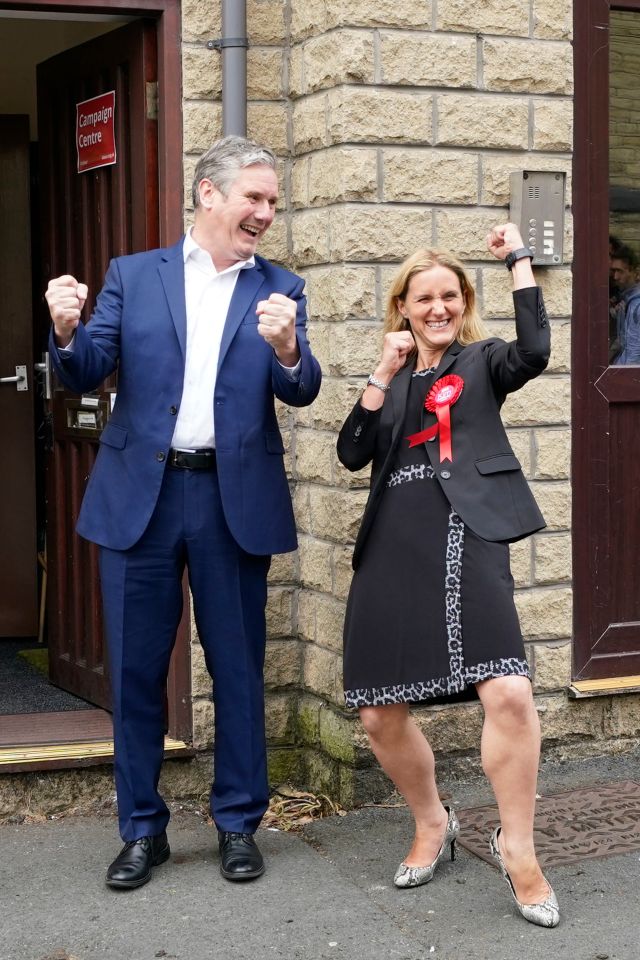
pixel 223 161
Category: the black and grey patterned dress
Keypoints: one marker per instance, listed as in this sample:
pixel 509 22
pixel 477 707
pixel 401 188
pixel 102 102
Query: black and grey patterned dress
pixel 431 610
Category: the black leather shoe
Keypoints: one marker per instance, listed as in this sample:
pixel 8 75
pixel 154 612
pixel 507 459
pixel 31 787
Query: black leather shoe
pixel 241 859
pixel 132 867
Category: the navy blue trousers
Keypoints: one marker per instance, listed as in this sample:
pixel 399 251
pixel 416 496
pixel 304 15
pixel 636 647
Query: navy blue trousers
pixel 142 593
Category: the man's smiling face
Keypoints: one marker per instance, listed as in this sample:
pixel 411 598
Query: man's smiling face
pixel 235 223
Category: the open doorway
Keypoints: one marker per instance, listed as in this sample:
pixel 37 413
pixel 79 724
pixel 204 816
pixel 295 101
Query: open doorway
pixel 54 681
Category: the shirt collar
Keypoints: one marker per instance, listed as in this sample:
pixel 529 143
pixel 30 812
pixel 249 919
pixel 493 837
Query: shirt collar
pixel 193 250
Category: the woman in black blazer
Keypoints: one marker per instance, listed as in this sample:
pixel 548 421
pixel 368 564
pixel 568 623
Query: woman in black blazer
pixel 430 616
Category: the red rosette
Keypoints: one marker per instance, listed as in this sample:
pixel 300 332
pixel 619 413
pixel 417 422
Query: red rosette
pixel 440 399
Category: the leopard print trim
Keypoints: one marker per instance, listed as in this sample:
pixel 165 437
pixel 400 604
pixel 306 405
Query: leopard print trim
pixel 460 676
pixel 413 471
pixel 416 692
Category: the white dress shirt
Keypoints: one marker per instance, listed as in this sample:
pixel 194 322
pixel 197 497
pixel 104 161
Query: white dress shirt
pixel 208 295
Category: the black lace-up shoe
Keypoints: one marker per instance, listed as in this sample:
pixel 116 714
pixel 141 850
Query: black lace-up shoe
pixel 132 867
pixel 241 859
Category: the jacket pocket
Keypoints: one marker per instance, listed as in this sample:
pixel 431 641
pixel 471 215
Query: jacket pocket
pixel 273 442
pixel 498 464
pixel 114 436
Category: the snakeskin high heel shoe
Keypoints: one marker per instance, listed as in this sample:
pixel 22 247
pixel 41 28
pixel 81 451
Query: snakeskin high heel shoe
pixel 545 914
pixel 413 876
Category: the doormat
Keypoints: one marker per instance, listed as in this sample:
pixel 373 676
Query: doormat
pixel 598 821
pixel 38 657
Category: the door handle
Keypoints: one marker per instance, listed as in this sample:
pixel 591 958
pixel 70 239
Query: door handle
pixel 20 379
pixel 45 368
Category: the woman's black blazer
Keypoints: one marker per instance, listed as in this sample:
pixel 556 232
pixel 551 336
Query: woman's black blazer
pixel 484 484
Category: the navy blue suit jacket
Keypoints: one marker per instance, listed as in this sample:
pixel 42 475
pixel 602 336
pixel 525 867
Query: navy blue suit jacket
pixel 139 327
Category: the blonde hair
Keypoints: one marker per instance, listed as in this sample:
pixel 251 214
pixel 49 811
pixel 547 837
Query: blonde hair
pixel 472 328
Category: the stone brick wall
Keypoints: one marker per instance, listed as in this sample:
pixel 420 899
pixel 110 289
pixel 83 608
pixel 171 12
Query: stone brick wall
pixel 398 123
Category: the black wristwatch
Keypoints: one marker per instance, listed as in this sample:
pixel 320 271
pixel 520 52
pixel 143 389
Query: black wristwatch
pixel 511 258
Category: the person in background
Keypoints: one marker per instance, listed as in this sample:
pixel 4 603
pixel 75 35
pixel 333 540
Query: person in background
pixel 430 615
pixel 190 475
pixel 625 342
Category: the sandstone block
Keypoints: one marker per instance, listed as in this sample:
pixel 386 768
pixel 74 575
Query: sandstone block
pixel 497 167
pixel 553 19
pixel 201 74
pixel 354 348
pixel 551 666
pixel 427 59
pixel 316 564
pixel 336 735
pixel 378 232
pixel 622 718
pixel 451 728
pixel 467 120
pixel 309 124
pixel 266 21
pixel 306 616
pixel 330 409
pixel 552 124
pixel 545 614
pixel 200 23
pixel 552 454
pixel 202 124
pixel 314 455
pixel 274 244
pixel 509 17
pixel 342 571
pixel 329 621
pixel 552 557
pixel 333 175
pixel 497 296
pixel 284 568
pixel 308 17
pixel 527 66
pixel 308 720
pixel 280 719
pixel 520 440
pixel 554 499
pixel 430 176
pixel 265 73
pixel 358 114
pixel 280 612
pixel 356 480
pixel 323 673
pixel 203 724
pixel 560 359
pixel 310 237
pixel 465 233
pixel 384 13
pixel 546 400
pixel 336 514
pixel 267 123
pixel 283 663
pixel 341 292
pixel 563 720
pixel 520 555
pixel 342 56
pixel 201 684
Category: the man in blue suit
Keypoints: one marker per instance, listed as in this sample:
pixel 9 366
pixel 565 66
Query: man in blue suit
pixel 190 474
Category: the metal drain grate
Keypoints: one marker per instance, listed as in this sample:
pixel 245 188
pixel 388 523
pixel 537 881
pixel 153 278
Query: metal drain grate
pixel 598 821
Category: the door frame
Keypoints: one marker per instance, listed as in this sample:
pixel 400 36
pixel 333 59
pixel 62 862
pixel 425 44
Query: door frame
pixel 167 14
pixel 590 306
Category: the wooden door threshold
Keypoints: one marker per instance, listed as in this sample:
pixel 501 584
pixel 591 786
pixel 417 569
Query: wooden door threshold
pixel 605 687
pixel 57 741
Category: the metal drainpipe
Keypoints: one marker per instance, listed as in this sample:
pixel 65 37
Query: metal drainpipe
pixel 234 45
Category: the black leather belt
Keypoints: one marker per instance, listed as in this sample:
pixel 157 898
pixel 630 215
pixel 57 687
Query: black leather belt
pixel 196 460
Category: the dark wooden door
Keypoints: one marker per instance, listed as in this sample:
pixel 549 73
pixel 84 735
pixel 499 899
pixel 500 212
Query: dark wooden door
pixel 88 218
pixel 606 399
pixel 18 546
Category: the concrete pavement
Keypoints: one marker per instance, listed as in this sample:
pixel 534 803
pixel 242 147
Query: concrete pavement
pixel 327 894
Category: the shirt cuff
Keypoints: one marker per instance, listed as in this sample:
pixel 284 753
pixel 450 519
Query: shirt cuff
pixel 69 346
pixel 293 373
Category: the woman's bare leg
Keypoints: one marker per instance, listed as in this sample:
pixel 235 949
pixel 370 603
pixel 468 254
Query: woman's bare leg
pixel 406 757
pixel 510 754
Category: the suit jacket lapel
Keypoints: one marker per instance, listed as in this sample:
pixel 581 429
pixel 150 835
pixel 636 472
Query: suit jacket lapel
pixel 171 272
pixel 399 396
pixel 249 282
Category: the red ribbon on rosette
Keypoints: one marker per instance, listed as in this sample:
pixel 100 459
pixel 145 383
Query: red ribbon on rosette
pixel 440 399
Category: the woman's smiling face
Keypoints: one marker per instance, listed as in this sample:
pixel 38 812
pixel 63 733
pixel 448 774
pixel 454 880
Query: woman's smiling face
pixel 434 307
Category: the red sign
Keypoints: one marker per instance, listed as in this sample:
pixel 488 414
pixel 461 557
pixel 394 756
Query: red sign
pixel 95 133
